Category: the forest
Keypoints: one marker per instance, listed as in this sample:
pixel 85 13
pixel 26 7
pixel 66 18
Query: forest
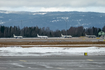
pixel 7 32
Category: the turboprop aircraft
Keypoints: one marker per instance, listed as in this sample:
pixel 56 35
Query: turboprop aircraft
pixel 17 36
pixel 42 36
pixel 90 36
pixel 66 36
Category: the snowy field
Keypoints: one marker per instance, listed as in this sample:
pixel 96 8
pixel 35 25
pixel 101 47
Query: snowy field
pixel 47 51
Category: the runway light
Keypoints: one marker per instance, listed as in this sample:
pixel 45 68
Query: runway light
pixel 83 39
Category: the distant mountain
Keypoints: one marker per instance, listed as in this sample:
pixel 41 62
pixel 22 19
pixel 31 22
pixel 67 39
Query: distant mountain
pixel 53 20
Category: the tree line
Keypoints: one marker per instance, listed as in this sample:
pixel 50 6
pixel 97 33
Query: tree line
pixel 33 31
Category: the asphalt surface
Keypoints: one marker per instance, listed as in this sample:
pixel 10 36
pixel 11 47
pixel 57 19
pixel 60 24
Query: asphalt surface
pixel 52 39
pixel 52 63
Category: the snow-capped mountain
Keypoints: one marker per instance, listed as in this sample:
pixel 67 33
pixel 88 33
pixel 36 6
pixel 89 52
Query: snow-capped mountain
pixel 53 20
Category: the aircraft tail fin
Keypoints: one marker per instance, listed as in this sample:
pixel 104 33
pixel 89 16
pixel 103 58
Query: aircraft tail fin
pixel 62 35
pixel 14 35
pixel 37 35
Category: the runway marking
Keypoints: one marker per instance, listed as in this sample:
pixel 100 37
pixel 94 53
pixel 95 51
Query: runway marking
pixel 23 60
pixel 60 68
pixel 46 66
pixel 89 59
pixel 16 64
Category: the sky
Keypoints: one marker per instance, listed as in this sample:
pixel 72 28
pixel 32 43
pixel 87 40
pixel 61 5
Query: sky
pixel 53 5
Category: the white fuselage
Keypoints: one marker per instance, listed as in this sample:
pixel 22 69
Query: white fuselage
pixel 91 36
pixel 17 36
pixel 42 36
pixel 66 36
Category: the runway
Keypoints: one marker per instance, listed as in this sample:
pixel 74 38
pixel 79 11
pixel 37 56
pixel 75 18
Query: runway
pixel 52 63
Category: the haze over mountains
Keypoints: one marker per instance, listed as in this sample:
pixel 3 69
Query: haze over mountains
pixel 53 20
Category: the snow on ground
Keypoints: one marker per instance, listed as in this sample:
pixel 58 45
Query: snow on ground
pixel 43 51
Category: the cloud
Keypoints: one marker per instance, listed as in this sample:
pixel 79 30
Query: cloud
pixel 53 5
pixel 52 9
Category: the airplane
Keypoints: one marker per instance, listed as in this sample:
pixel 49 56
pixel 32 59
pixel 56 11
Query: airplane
pixel 90 36
pixel 17 36
pixel 42 36
pixel 66 36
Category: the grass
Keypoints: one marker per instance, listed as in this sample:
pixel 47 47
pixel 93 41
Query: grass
pixel 5 44
pixel 47 43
